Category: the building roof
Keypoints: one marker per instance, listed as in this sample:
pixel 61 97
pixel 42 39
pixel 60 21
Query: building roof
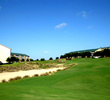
pixel 91 50
pixel 5 46
pixel 17 54
pixel 88 50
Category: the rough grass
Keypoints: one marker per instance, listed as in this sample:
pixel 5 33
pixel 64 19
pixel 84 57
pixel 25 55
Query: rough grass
pixel 88 80
pixel 28 66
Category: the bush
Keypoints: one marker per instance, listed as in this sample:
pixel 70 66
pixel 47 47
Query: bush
pixel 45 74
pixel 11 79
pixel 50 58
pixel 61 60
pixel 27 60
pixel 85 54
pixel 99 53
pixel 37 59
pixel 31 60
pixel 12 59
pixel 8 60
pixel 42 59
pixel 105 52
pixel 62 56
pixel 3 81
pixel 18 77
pixel 26 76
pixel 36 75
pixel 22 60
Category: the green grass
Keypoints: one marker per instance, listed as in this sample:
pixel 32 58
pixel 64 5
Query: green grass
pixel 88 80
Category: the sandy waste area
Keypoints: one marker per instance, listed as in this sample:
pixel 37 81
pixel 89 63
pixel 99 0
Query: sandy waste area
pixel 7 75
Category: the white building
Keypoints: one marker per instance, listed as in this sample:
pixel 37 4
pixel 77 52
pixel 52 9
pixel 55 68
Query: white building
pixel 5 52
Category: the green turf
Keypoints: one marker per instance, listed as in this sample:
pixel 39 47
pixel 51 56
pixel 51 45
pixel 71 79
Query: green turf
pixel 88 80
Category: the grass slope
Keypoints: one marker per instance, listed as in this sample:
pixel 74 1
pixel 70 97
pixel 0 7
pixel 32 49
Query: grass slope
pixel 88 80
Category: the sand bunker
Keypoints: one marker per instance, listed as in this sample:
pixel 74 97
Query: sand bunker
pixel 7 75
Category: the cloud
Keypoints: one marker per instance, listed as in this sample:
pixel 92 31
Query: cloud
pixel 61 25
pixel 45 51
pixel 83 14
pixel 89 27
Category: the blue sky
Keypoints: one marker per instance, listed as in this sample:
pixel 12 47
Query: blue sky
pixel 50 28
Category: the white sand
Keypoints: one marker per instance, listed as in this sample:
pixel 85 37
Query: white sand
pixel 7 75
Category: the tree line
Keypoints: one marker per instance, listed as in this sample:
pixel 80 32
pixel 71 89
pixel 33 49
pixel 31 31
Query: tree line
pixel 15 59
pixel 88 54
pixel 68 56
pixel 43 59
pixel 103 53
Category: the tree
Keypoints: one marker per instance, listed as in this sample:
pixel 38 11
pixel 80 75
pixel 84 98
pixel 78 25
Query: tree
pixel 12 59
pixel 22 60
pixel 106 52
pixel 84 54
pixel 27 60
pixel 8 60
pixel 37 59
pixel 62 56
pixel 42 59
pixel 1 63
pixel 50 58
pixel 57 58
pixel 31 60
pixel 98 53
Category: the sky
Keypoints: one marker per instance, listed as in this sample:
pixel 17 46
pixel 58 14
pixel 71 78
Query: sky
pixel 51 28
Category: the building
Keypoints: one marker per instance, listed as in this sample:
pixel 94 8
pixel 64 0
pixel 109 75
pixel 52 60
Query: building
pixel 77 54
pixel 5 52
pixel 20 56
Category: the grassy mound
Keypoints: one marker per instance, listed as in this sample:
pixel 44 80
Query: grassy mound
pixel 28 66
pixel 88 80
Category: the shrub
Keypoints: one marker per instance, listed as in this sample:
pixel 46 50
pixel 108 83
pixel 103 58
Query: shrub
pixel 18 77
pixel 27 60
pixel 12 59
pixel 50 58
pixel 49 72
pixel 57 58
pixel 105 52
pixel 31 60
pixel 42 74
pixel 42 59
pixel 45 74
pixel 59 70
pixel 37 59
pixel 68 58
pixel 3 81
pixel 61 60
pixel 22 60
pixel 26 76
pixel 62 56
pixel 36 75
pixel 8 60
pixel 11 79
